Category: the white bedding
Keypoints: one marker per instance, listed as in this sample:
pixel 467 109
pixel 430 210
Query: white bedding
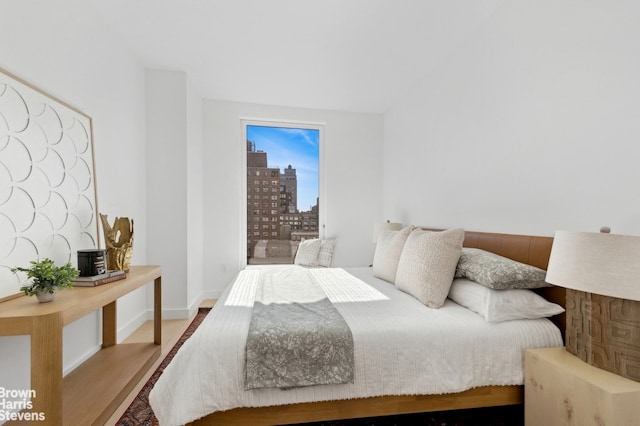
pixel 401 348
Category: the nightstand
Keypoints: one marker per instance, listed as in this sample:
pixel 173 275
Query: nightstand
pixel 561 389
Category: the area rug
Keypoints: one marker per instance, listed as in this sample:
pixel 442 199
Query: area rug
pixel 140 413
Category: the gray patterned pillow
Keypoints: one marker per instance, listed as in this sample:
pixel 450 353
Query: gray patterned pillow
pixel 498 272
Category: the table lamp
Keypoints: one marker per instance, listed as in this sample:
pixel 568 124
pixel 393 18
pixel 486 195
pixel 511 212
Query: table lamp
pixel 601 272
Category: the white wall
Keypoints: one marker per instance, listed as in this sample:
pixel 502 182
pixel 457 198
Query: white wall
pixel 195 196
pixel 529 126
pixel 174 188
pixel 352 160
pixel 166 167
pixel 80 64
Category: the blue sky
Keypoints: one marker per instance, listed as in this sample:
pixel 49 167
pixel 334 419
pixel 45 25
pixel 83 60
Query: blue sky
pixel 298 147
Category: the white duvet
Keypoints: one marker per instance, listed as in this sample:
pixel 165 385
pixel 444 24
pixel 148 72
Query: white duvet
pixel 401 348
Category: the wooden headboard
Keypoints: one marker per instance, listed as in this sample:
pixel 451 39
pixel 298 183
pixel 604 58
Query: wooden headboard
pixel 527 249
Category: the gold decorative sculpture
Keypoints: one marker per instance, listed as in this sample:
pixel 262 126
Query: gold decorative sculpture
pixel 119 242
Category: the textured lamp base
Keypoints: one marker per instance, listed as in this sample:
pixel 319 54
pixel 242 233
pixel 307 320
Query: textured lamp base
pixel 604 332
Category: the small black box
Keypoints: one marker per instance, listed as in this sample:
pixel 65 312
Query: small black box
pixel 91 262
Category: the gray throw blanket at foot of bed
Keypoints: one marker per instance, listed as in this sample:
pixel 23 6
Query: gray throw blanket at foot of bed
pixel 296 336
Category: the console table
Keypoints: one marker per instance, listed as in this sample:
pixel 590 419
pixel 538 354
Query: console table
pixel 91 392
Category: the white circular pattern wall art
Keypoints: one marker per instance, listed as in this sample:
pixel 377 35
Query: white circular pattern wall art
pixel 48 197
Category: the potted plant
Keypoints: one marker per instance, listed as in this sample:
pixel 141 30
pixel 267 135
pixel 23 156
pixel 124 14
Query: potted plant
pixel 46 278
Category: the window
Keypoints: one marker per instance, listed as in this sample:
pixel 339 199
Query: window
pixel 289 156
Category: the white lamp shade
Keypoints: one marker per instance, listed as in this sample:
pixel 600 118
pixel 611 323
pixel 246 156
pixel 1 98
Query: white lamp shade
pixel 380 227
pixel 605 264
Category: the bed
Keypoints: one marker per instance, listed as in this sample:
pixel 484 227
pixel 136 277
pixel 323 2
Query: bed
pixel 204 384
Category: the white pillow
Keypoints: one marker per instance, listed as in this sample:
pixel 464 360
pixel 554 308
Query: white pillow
pixel 325 254
pixel 307 252
pixel 501 305
pixel 387 254
pixel 428 263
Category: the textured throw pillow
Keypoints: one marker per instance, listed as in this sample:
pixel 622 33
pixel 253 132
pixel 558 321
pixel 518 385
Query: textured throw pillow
pixel 325 254
pixel 387 254
pixel 498 272
pixel 307 252
pixel 501 305
pixel 428 263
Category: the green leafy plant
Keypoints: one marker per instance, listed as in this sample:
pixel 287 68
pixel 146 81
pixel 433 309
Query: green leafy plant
pixel 47 277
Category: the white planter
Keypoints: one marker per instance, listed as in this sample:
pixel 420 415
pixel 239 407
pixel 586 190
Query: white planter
pixel 44 296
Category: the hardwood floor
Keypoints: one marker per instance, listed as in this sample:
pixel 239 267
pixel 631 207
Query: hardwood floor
pixel 171 332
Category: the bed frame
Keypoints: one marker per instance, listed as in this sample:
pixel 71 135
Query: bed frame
pixel 522 248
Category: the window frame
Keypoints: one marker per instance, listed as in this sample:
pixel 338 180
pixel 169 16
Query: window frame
pixel 322 208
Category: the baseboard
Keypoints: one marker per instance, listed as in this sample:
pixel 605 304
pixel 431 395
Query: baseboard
pixel 173 314
pixel 79 361
pixel 211 295
pixel 167 314
pixel 134 324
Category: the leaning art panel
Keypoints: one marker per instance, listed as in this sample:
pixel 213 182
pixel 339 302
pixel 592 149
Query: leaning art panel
pixel 48 203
